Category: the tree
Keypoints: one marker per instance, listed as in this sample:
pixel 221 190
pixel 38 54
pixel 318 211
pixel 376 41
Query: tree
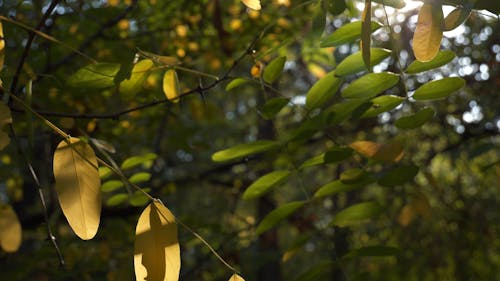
pixel 262 143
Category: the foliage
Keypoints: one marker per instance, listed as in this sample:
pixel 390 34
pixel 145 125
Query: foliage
pixel 326 139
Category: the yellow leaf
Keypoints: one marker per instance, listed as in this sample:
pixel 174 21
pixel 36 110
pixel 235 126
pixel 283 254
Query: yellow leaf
pixel 428 34
pixel 5 118
pixel 2 41
pixel 390 152
pixel 157 252
pixel 366 31
pixel 236 277
pixel 138 76
pixel 78 186
pixel 252 4
pixel 171 86
pixel 406 215
pixel 10 229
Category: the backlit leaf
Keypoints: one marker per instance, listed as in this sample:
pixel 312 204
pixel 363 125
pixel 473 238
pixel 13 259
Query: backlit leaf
pixel 390 152
pixel 138 198
pixel 428 34
pixel 236 82
pixel 252 4
pixel 111 185
pixel 415 120
pixel 264 184
pixel 5 118
pixel 323 90
pixel 442 58
pixel 338 186
pixel 138 76
pixel 366 33
pixel 399 175
pixel 456 17
pixel 357 213
pixel 78 186
pixel 117 199
pixel 316 160
pixel 137 160
pixel 382 104
pixel 243 150
pixel 157 252
pixel 439 89
pixel 273 70
pixel 140 177
pixel 277 215
pixel 94 76
pixel 10 229
pixel 354 63
pixel 370 85
pixel 236 277
pixel 347 33
pixel 171 87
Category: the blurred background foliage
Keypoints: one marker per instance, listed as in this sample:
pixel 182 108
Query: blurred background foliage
pixel 445 222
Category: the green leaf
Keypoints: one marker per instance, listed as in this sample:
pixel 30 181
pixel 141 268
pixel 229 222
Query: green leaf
pixel 347 33
pixel 117 199
pixel 273 70
pixel 334 7
pixel 323 90
pixel 442 58
pixel 353 176
pixel 415 120
pixel 338 186
pixel 264 184
pixel 398 4
pixel 277 215
pixel 111 185
pixel 370 85
pixel 94 76
pixel 439 89
pixel 104 172
pixel 382 104
pixel 137 160
pixel 236 82
pixel 140 177
pixel 338 154
pixel 339 112
pixel 456 17
pixel 399 175
pixel 366 34
pixel 273 106
pixel 314 161
pixel 354 63
pixel 357 213
pixel 140 72
pixel 372 251
pixel 139 199
pixel 243 150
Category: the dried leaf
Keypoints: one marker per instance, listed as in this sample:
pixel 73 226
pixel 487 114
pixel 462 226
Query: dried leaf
pixel 157 252
pixel 78 186
pixel 428 34
pixel 10 229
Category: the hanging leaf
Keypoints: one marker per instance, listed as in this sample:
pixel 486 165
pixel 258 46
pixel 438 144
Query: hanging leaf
pixel 5 118
pixel 104 172
pixel 372 251
pixel 236 277
pixel 366 33
pixel 347 33
pixel 140 177
pixel 117 199
pixel 354 63
pixel 273 106
pixel 382 104
pixel 428 34
pixel 399 175
pixel 94 76
pixel 138 198
pixel 439 89
pixel 78 186
pixel 442 58
pixel 171 87
pixel 338 186
pixel 252 4
pixel 314 161
pixel 277 215
pixel 341 111
pixel 357 214
pixel 243 150
pixel 390 152
pixel 111 185
pixel 416 120
pixel 138 76
pixel 236 82
pixel 323 90
pixel 273 70
pixel 370 85
pixel 10 229
pixel 157 253
pixel 137 160
pixel 456 17
pixel 264 184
